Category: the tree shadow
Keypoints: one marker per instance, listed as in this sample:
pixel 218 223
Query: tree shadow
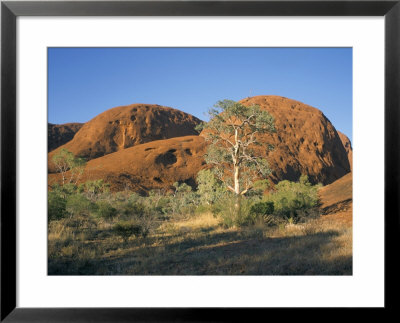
pixel 222 253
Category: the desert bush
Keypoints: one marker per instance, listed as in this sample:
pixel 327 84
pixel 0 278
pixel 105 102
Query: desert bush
pixel 203 209
pixel 64 190
pixel 126 229
pixel 227 211
pixel 80 225
pixel 258 189
pixel 262 208
pixel 293 201
pixel 105 210
pixel 133 197
pixel 132 209
pixel 94 188
pixel 56 206
pixel 77 204
pixel 209 188
pixel 183 200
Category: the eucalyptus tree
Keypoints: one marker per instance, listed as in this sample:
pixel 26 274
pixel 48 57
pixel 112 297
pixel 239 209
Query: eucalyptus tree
pixel 233 134
pixel 69 166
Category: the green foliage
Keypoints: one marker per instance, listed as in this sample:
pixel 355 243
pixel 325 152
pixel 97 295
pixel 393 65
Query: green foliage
pixel 105 210
pixel 65 190
pixel 56 206
pixel 96 187
pixel 209 188
pixel 77 204
pixel 293 200
pixel 262 208
pixel 227 211
pixel 133 209
pixel 126 229
pixel 183 200
pixel 232 132
pixel 258 188
pixel 65 161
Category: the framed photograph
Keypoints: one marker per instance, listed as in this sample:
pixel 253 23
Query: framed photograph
pixel 190 160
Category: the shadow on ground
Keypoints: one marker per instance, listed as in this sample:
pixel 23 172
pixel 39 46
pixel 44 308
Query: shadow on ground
pixel 222 253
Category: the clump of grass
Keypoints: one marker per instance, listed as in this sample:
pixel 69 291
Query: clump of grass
pixel 126 229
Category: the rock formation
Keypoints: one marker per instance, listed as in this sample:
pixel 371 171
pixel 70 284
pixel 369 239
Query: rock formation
pixel 127 126
pixel 60 134
pixel 157 164
pixel 130 150
pixel 347 146
pixel 305 142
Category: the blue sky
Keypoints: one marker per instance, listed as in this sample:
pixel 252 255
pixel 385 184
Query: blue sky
pixel 84 82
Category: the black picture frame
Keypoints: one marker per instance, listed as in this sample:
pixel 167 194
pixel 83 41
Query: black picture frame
pixel 10 10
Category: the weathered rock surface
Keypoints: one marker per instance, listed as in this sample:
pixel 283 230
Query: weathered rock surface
pixel 157 164
pixel 336 200
pixel 60 134
pixel 132 157
pixel 347 146
pixel 127 126
pixel 305 142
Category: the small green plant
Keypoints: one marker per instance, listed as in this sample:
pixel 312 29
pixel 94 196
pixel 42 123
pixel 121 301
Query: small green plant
pixel 133 209
pixel 183 200
pixel 56 206
pixel 262 208
pixel 105 210
pixel 77 204
pixel 95 188
pixel 126 229
pixel 210 189
pixel 227 210
pixel 293 201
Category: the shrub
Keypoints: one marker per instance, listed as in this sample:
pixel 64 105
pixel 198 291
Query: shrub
pixel 77 204
pixel 229 215
pixel 133 209
pixel 56 206
pixel 262 208
pixel 183 200
pixel 105 210
pixel 94 188
pixel 209 188
pixel 258 188
pixel 294 200
pixel 126 229
pixel 64 190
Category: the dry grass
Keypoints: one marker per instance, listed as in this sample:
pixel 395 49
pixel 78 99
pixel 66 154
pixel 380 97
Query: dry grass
pixel 200 245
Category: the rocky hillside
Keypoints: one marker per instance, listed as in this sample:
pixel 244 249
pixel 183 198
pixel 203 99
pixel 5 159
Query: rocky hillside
pixel 347 146
pixel 60 134
pixel 305 141
pixel 127 126
pixel 337 199
pixel 129 146
pixel 156 164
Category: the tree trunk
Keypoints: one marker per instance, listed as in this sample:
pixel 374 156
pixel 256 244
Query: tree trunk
pixel 237 193
pixel 236 179
pixel 235 159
